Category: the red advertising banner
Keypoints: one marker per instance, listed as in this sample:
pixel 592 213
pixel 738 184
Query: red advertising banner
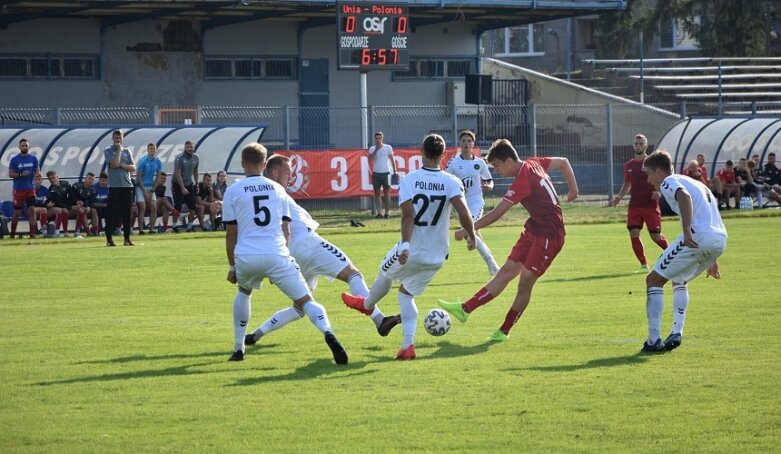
pixel 343 173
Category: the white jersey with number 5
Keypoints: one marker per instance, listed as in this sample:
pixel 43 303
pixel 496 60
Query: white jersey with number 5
pixel 430 191
pixel 705 217
pixel 258 206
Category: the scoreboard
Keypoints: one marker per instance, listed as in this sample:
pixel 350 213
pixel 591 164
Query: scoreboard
pixel 372 35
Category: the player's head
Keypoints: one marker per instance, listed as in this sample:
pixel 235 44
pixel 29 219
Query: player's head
pixel 189 147
pixel 89 179
pixel 117 136
pixel 278 169
pixel 701 159
pixel 207 179
pixel 433 147
pixel 52 177
pixel 771 158
pixel 162 177
pixel 38 179
pixel 742 163
pixel 151 149
pixel 253 158
pixel 694 169
pixel 729 164
pixel 24 146
pixel 103 180
pixel 378 136
pixel 658 165
pixel 640 144
pixel 501 150
pixel 466 140
pixel 222 176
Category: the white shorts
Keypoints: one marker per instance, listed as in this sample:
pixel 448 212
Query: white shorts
pixel 680 263
pixel 476 208
pixel 317 257
pixel 282 270
pixel 140 195
pixel 414 276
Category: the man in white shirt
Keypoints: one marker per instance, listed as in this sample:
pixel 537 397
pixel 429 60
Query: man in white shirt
pixel 696 249
pixel 381 160
pixel 256 212
pixel 474 174
pixel 425 197
pixel 316 257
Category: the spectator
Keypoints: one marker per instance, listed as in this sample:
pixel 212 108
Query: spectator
pixel 99 210
pixel 221 185
pixel 772 176
pixel 147 172
pixel 727 185
pixel 163 205
pixel 83 196
pixel 206 201
pixel 757 181
pixel 40 211
pixel 381 160
pixel 60 200
pixel 744 179
pixel 693 170
pixel 22 169
pixel 184 187
pixel 703 168
pixel 120 164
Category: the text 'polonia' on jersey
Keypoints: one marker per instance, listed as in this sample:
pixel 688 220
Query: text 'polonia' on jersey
pixel 429 186
pixel 259 188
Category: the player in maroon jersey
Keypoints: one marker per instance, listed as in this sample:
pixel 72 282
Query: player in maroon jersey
pixel 643 203
pixel 541 239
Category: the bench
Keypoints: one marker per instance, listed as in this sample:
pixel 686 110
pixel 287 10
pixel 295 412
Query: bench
pixel 684 69
pixel 746 94
pixel 716 87
pixel 758 76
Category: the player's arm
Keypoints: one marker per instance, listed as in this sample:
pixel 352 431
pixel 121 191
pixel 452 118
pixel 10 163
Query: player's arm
pixel 116 158
pixel 195 174
pixel 139 179
pixel 392 161
pixel 563 166
pixel 13 173
pixel 286 230
pixel 231 234
pixel 132 166
pixel 625 188
pixel 687 212
pixel 486 181
pixel 493 215
pixel 465 219
pixel 407 226
pixel 178 175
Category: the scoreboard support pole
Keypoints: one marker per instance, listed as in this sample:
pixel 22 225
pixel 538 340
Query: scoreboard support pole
pixel 364 112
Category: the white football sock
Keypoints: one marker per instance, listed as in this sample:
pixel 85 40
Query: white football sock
pixel 680 303
pixel 654 307
pixel 377 316
pixel 380 288
pixel 485 253
pixel 317 315
pixel 277 321
pixel 358 285
pixel 241 314
pixel 409 319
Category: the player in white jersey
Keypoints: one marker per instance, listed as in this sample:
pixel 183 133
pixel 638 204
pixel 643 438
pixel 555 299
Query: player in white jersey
pixel 474 174
pixel 696 249
pixel 256 212
pixel 425 197
pixel 316 257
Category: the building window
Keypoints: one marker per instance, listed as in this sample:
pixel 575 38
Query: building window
pixel 250 67
pixel 49 66
pixel 673 36
pixel 520 41
pixel 425 68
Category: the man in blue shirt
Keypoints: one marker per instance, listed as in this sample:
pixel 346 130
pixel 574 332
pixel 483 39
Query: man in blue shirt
pixel 22 170
pixel 147 171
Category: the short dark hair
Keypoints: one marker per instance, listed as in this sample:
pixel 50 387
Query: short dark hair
pixel 90 174
pixel 23 140
pixel 275 161
pixel 659 159
pixel 117 132
pixel 467 133
pixel 103 175
pixel 254 153
pixel 433 145
pixel 729 163
pixel 771 154
pixel 501 150
pixel 163 174
pixel 50 173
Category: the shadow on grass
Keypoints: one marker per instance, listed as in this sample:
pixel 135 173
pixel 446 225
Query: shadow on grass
pixel 627 360
pixel 186 369
pixel 134 358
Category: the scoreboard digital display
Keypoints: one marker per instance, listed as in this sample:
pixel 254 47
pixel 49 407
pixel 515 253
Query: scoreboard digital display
pixel 372 36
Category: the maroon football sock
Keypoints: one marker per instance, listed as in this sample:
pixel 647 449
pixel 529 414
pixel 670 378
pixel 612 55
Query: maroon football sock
pixel 509 320
pixel 637 247
pixel 482 296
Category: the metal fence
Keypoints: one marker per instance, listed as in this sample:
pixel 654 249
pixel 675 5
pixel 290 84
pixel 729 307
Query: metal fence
pixel 584 134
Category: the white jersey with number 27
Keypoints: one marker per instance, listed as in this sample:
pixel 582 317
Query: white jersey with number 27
pixel 430 191
pixel 258 205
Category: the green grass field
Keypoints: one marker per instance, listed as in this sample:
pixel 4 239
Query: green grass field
pixel 125 349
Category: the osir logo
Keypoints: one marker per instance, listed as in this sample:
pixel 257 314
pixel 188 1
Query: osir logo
pixel 299 178
pixel 374 24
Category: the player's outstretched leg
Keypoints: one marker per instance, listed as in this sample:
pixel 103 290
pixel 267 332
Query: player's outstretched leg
pixel 275 322
pixel 455 309
pixel 498 336
pixel 241 315
pixel 340 355
pixel 387 324
pixel 319 318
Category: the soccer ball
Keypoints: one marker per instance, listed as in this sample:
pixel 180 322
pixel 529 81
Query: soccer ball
pixel 436 322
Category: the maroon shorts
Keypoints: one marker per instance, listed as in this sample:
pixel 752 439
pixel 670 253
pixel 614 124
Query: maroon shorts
pixel 24 195
pixel 651 217
pixel 536 252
